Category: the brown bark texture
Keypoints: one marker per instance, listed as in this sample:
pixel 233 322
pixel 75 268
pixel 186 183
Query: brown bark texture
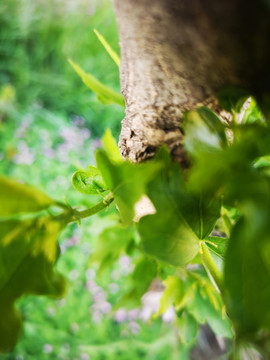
pixel 175 54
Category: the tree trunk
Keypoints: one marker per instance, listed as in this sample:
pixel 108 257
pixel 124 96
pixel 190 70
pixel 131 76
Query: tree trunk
pixel 175 54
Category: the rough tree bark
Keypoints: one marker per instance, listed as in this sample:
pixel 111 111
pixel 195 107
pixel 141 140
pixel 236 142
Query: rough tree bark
pixel 175 54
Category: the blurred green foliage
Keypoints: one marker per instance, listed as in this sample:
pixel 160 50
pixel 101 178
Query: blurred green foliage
pixel 81 325
pixel 37 38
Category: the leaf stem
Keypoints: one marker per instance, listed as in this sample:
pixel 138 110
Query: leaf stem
pixel 211 267
pixel 79 215
pixel 76 215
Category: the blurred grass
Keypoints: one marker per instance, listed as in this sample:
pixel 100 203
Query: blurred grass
pixel 36 40
pixel 49 119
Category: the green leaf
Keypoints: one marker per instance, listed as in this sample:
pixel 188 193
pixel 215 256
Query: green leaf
pixel 104 94
pixel 205 305
pixel 252 114
pixel 172 234
pixel 28 252
pixel 262 162
pixel 173 293
pixel 231 170
pixel 138 282
pixel 108 48
pixel 165 270
pixel 213 266
pixel 96 176
pixel 204 132
pixel 247 274
pixel 17 198
pixel 232 99
pixel 203 311
pixel 110 146
pixel 127 181
pixel 112 242
pixel 89 182
pixel 188 328
pixel 218 245
pixel 209 212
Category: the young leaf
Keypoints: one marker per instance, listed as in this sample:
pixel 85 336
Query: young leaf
pixel 17 198
pixel 110 146
pixel 104 94
pixel 205 305
pixel 89 182
pixel 108 48
pixel 28 252
pixel 204 311
pixel 188 328
pixel 127 181
pixel 173 293
pixel 96 176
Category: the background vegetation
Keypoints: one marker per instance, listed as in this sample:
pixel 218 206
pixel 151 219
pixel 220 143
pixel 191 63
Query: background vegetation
pixel 50 124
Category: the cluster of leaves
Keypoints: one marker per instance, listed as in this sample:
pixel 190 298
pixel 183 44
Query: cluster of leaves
pixel 238 170
pixel 165 241
pixel 227 186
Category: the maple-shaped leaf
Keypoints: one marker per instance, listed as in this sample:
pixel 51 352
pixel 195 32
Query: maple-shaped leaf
pixel 181 220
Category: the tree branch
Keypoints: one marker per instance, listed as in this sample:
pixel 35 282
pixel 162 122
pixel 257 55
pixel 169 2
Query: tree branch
pixel 177 54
